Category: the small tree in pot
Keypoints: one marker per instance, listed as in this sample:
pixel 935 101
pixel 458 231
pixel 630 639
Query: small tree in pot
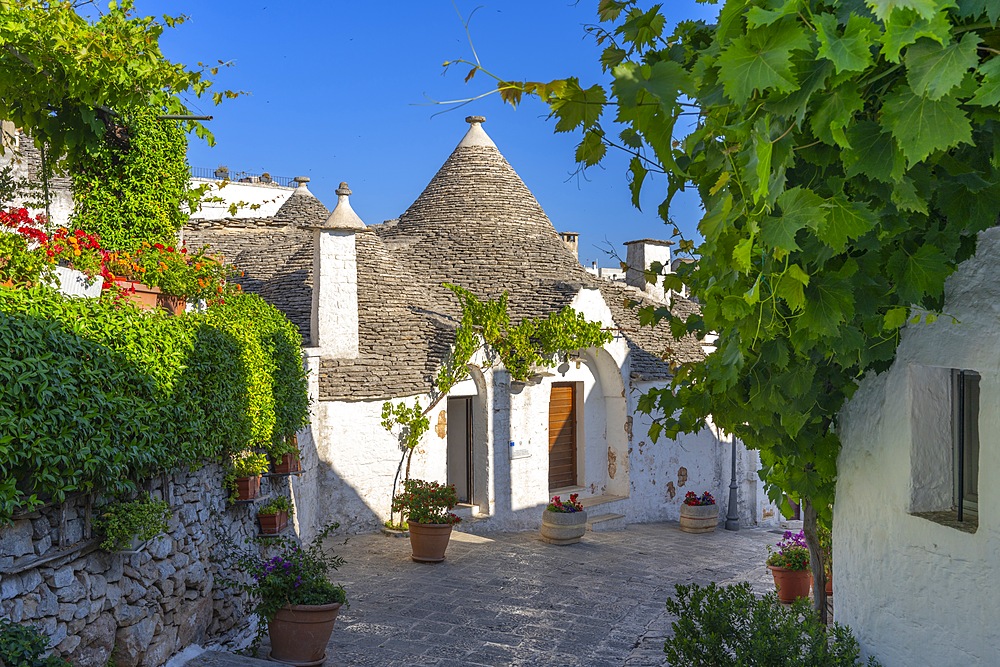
pixel 426 506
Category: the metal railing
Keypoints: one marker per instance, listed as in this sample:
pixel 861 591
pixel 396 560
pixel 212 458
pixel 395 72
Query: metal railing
pixel 242 176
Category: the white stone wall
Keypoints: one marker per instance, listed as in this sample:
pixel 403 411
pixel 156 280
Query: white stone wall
pixel 253 200
pixel 662 472
pixel 916 592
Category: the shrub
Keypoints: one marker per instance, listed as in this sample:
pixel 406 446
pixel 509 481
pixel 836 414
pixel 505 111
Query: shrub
pixel 142 519
pixel 730 626
pixel 97 395
pixel 24 646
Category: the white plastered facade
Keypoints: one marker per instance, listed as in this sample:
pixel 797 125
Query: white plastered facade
pixel 913 590
pixel 353 460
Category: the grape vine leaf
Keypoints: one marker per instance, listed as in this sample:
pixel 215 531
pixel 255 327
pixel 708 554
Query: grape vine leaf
pixel 921 125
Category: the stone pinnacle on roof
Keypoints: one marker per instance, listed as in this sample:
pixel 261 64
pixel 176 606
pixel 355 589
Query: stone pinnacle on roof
pixel 300 186
pixel 476 136
pixel 343 216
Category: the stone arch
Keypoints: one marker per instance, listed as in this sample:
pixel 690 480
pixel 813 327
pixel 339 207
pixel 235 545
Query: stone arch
pixel 474 388
pixel 609 374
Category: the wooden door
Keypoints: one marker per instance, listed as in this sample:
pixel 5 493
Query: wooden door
pixel 562 435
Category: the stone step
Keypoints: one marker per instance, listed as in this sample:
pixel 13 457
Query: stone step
pixel 604 499
pixel 606 522
pixel 221 659
pixel 466 511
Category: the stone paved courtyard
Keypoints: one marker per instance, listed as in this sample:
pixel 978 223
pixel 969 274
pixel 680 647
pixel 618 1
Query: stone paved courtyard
pixel 511 599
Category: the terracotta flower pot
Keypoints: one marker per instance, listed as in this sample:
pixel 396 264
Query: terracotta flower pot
pixel 428 541
pixel 247 488
pixel 791 584
pixel 699 518
pixel 272 524
pixel 288 463
pixel 299 633
pixel 147 298
pixel 563 527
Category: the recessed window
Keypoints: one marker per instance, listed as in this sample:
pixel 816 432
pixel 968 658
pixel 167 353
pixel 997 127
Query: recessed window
pixel 965 441
pixel 944 461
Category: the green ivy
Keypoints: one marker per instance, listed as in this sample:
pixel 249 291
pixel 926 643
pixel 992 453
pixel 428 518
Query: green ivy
pixel 131 189
pixel 96 395
pixel 143 519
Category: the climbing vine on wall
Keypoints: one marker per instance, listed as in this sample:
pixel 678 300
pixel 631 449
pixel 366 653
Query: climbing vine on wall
pixel 132 187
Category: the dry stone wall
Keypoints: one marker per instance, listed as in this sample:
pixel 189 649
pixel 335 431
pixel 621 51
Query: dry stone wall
pixel 136 608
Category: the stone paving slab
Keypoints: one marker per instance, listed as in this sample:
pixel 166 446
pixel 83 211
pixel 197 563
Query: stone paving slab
pixel 511 599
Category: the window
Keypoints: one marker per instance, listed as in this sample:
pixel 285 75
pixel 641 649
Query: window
pixel 944 457
pixel 965 442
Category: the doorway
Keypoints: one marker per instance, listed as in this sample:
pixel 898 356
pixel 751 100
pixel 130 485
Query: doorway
pixel 460 447
pixel 562 435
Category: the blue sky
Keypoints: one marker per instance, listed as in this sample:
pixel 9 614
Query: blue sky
pixel 341 91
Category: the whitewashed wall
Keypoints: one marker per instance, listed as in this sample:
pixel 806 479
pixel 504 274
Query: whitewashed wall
pixel 662 472
pixel 916 592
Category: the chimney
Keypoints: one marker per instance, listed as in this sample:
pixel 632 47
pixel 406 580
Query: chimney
pixel 334 322
pixel 639 258
pixel 572 241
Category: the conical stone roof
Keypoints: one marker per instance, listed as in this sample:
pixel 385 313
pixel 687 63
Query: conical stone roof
pixel 477 225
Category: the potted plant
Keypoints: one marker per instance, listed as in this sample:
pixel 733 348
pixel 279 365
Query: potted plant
pixel 222 171
pixel 293 597
pixel 285 456
pixel 564 522
pixel 425 507
pixel 274 514
pixel 243 479
pixel 127 525
pixel 699 514
pixel 790 567
pixel 167 277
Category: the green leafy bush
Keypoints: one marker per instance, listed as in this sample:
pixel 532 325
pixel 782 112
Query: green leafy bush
pixel 730 626
pixel 24 646
pixel 96 395
pixel 142 519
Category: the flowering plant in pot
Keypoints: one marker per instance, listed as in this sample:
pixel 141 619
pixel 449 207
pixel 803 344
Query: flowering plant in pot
pixel 789 565
pixel 274 514
pixel 699 514
pixel 425 506
pixel 564 521
pixel 293 596
pixel 175 272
